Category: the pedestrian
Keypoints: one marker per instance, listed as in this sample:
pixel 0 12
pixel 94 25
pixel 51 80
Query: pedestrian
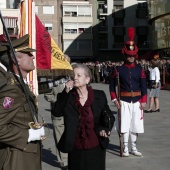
pixel 58 122
pixel 85 137
pixel 20 145
pixel 155 85
pixel 133 95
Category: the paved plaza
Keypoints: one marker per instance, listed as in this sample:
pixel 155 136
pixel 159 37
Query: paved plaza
pixel 154 143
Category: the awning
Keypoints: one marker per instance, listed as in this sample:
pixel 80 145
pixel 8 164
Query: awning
pixel 10 22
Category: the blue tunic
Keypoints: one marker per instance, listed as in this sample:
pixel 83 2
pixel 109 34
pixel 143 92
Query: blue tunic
pixel 132 78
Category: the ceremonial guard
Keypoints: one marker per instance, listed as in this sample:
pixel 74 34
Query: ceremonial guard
pixel 131 80
pixel 20 145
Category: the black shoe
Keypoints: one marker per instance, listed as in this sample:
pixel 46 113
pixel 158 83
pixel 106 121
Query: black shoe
pixel 148 111
pixel 158 110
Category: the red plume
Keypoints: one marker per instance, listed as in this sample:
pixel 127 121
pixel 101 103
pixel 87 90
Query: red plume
pixel 131 33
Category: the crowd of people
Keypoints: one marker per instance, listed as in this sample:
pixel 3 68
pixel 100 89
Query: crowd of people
pixel 81 116
pixel 101 71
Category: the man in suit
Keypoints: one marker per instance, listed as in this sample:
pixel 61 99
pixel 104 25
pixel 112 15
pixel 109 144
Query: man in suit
pixel 20 145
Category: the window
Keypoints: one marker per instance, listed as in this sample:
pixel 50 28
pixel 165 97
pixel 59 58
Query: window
pixel 119 38
pixel 118 31
pixel 48 9
pixel 70 28
pixel 84 27
pixel 69 10
pixel 36 9
pixel 48 26
pixel 84 11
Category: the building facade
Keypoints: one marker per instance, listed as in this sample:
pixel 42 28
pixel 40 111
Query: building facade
pixel 11 17
pixel 47 13
pixel 159 13
pixel 93 29
pixel 77 23
pixel 113 19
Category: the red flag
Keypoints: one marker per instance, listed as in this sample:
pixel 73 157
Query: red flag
pixel 50 59
pixel 43 46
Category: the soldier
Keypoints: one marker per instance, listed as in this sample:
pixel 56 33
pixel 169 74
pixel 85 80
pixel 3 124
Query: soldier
pixel 133 95
pixel 58 122
pixel 20 146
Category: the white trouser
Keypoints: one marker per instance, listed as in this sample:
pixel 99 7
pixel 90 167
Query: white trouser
pixel 131 118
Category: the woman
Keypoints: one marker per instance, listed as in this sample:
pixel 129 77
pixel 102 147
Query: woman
pixel 85 138
pixel 154 85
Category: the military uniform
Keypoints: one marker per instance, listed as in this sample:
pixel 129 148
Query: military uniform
pixel 133 95
pixel 16 152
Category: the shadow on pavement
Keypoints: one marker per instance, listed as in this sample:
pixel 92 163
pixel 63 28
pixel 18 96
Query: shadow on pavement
pixel 49 158
pixel 113 149
pixel 50 125
pixel 49 110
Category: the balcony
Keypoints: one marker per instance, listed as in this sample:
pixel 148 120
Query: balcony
pixel 102 13
pixel 12 26
pixel 6 5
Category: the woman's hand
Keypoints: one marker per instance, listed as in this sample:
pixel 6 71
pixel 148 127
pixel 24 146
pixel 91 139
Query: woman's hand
pixel 104 134
pixel 155 86
pixel 69 85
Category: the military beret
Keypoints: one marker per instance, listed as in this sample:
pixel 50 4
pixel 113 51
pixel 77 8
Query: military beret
pixel 19 45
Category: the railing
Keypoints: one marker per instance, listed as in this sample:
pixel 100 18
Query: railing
pixel 13 5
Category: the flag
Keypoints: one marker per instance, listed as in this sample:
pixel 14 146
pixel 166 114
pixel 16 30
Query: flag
pixel 49 58
pixel 27 12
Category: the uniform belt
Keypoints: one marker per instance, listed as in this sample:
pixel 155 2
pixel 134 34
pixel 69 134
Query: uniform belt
pixel 130 94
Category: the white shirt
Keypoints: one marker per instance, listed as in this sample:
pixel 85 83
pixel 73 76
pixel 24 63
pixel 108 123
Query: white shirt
pixel 154 74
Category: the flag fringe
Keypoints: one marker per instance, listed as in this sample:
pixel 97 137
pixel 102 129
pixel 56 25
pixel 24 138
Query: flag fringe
pixel 54 73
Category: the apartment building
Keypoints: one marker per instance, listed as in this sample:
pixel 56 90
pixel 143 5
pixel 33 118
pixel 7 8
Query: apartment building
pixel 93 29
pixel 47 13
pixel 159 15
pixel 77 23
pixel 113 19
pixel 11 18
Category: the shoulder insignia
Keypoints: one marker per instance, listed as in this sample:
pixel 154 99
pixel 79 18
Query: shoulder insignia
pixel 8 102
pixel 12 81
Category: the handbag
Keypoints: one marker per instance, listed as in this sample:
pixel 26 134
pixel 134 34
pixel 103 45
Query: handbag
pixel 153 83
pixel 108 120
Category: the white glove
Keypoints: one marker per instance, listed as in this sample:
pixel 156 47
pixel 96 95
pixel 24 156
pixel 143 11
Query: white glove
pixel 36 134
pixel 42 131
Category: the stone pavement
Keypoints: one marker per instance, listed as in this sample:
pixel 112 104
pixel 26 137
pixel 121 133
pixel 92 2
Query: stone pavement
pixel 154 143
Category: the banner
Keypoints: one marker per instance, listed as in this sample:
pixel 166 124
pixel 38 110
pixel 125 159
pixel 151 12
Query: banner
pixel 50 59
